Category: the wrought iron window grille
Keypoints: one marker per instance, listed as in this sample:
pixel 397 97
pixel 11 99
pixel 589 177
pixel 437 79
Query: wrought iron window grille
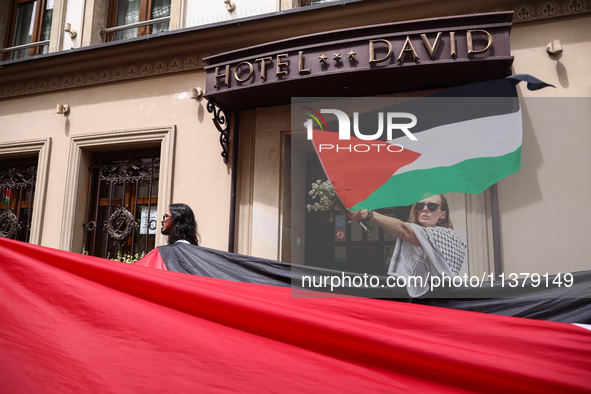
pixel 17 191
pixel 121 215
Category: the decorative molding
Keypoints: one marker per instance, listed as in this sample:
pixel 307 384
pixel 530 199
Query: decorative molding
pixel 533 10
pixel 524 11
pixel 122 72
pixel 163 135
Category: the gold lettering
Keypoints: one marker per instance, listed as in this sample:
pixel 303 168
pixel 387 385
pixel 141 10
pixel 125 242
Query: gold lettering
pixel 405 48
pixel 250 71
pixel 452 44
pixel 471 46
pixel 226 76
pixel 430 48
pixel 302 70
pixel 372 57
pixel 263 62
pixel 280 64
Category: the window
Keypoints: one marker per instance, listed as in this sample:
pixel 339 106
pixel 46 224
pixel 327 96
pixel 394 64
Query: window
pixel 126 12
pixel 341 244
pixel 17 192
pixel 81 157
pixel 123 196
pixel 30 22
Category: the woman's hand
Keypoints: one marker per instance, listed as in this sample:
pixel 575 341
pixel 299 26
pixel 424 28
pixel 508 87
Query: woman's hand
pixel 395 227
pixel 358 215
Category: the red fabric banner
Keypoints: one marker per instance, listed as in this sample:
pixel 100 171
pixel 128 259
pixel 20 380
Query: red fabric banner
pixel 73 323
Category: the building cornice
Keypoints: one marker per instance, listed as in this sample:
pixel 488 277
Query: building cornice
pixel 183 50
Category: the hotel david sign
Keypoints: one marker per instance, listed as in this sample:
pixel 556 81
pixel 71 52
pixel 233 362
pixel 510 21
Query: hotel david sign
pixel 361 57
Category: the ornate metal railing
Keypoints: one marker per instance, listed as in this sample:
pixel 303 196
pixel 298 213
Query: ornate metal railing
pixel 17 190
pixel 121 215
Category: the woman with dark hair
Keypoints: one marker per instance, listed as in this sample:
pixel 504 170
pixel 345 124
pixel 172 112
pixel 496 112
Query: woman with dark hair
pixel 427 245
pixel 179 224
pixel 181 227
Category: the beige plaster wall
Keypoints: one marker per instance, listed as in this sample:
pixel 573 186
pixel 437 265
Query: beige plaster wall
pixel 543 221
pixel 266 181
pixel 569 72
pixel 200 177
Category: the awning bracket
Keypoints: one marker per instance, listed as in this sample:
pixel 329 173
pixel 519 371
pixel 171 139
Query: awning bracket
pixel 220 120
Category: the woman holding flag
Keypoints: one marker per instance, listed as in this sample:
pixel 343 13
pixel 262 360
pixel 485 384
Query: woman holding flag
pixel 427 245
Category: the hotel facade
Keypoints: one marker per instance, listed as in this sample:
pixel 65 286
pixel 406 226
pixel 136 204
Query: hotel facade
pixel 110 110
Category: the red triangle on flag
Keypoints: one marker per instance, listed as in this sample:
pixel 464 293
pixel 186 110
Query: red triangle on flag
pixel 356 168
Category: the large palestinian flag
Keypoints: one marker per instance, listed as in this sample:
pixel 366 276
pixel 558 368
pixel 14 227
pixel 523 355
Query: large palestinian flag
pixel 465 139
pixel 79 324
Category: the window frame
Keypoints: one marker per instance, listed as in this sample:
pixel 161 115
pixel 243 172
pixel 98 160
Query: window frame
pixel 145 15
pixel 75 204
pixel 40 147
pixel 37 27
pixel 97 237
pixel 18 200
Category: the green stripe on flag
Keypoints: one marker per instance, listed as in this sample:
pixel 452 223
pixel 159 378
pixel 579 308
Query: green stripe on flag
pixel 469 176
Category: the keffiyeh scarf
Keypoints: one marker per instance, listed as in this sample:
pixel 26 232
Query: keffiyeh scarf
pixel 441 253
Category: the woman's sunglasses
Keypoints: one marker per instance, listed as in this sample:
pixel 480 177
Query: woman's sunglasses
pixel 431 206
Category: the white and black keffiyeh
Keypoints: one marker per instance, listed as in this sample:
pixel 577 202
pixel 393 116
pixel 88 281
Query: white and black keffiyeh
pixel 441 252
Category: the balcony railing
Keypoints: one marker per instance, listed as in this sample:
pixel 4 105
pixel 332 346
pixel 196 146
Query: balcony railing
pixel 134 25
pixel 24 46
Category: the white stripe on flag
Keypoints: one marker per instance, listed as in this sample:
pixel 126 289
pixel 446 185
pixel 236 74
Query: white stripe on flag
pixel 454 143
